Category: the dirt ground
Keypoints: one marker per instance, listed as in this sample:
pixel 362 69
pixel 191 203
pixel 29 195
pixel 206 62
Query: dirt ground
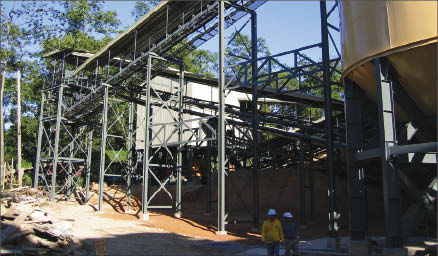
pixel 112 233
pixel 121 231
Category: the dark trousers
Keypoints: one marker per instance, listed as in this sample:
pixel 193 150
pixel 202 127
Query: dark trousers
pixel 273 249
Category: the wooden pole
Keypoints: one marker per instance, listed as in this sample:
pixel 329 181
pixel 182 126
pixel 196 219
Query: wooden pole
pixel 19 170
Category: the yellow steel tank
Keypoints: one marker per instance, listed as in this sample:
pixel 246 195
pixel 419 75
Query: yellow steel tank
pixel 405 32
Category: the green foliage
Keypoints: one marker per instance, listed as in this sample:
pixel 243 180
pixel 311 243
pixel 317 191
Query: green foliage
pixel 142 7
pixel 87 17
pixel 115 155
pixel 201 62
pixel 78 40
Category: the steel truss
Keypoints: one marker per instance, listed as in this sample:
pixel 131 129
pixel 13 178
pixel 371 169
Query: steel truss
pixel 63 146
pixel 123 82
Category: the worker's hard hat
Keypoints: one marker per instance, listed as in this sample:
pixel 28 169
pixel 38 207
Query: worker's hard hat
pixel 272 212
pixel 288 215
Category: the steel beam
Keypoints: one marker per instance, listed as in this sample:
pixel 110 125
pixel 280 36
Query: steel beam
pixel 391 181
pixel 221 119
pixel 103 147
pixel 328 120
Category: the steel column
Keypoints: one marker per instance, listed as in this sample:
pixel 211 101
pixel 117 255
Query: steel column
pixel 221 126
pixel 40 137
pixel 355 173
pixel 88 173
pixel 302 187
pixel 328 120
pixel 208 209
pixel 130 154
pixel 70 169
pixel 180 146
pixel 56 147
pixel 255 122
pixel 144 201
pixel 391 181
pixel 103 147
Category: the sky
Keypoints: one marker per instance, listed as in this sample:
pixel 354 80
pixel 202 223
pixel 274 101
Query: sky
pixel 285 25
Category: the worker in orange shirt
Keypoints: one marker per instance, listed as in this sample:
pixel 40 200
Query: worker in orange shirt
pixel 272 233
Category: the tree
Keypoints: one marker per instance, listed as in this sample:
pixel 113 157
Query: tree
pixel 142 7
pixel 25 29
pixel 18 26
pixel 87 17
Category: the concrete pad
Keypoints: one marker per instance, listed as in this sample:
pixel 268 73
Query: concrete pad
pixel 358 248
pixel 395 251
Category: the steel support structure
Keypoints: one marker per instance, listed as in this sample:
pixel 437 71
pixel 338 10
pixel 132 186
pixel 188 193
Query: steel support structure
pixel 356 172
pixel 61 151
pixel 103 148
pixel 88 167
pixel 303 221
pixel 221 124
pixel 255 123
pixel 240 133
pixel 391 181
pixel 328 119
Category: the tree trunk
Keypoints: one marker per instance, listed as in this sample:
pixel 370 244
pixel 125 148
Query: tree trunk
pixel 2 125
pixel 19 170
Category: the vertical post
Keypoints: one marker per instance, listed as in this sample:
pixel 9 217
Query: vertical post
pixel 255 123
pixel 135 44
pixel 328 120
pixel 312 186
pixel 130 153
pixel 208 209
pixel 221 126
pixel 180 145
pixel 70 169
pixel 19 170
pixel 302 187
pixel 103 147
pixel 391 182
pixel 88 174
pixel 55 150
pixel 39 142
pixel 356 175
pixel 144 201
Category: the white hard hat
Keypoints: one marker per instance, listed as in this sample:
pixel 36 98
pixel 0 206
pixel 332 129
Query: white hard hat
pixel 288 215
pixel 272 212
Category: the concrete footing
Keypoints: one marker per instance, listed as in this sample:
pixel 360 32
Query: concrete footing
pixel 358 248
pixel 331 242
pixel 395 251
pixel 221 233
pixel 144 216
